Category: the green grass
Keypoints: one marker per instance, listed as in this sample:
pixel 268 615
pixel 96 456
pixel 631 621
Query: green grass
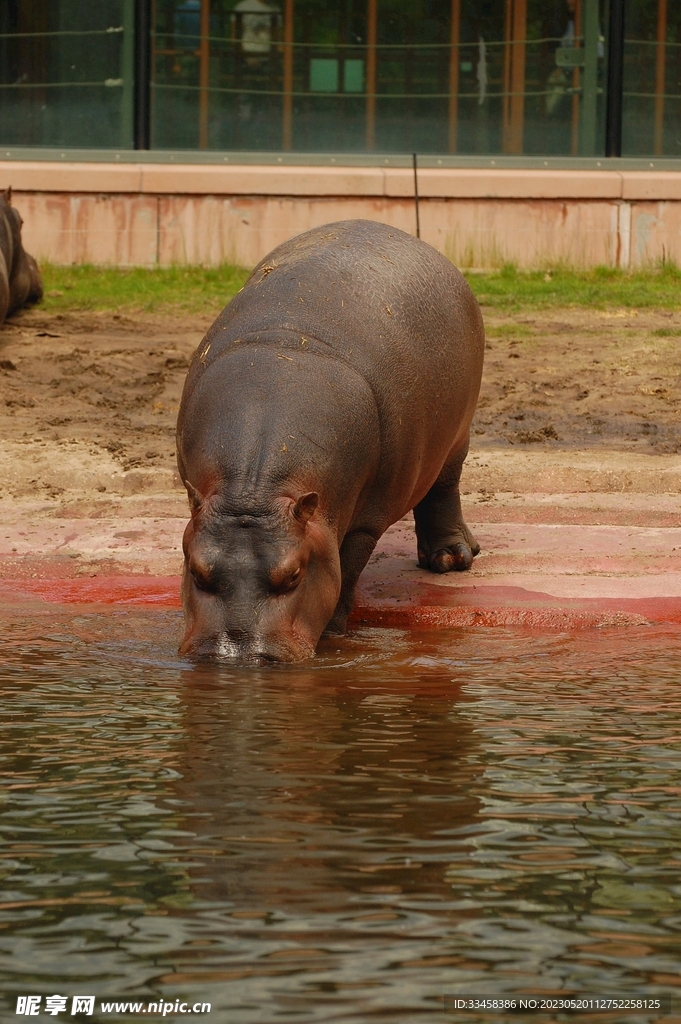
pixel 599 288
pixel 667 332
pixel 208 289
pixel 511 330
pixel 190 289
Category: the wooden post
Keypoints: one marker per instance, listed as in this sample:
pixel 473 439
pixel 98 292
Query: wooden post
pixel 588 130
pixel 574 148
pixel 32 25
pixel 517 102
pixel 508 61
pixel 287 120
pixel 204 74
pixel 660 60
pixel 128 74
pixel 372 23
pixel 454 62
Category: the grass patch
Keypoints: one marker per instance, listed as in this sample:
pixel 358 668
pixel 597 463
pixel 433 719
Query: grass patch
pixel 667 332
pixel 509 331
pixel 208 289
pixel 599 288
pixel 190 289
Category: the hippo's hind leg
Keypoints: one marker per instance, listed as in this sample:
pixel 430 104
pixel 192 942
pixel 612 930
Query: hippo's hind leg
pixel 355 552
pixel 444 541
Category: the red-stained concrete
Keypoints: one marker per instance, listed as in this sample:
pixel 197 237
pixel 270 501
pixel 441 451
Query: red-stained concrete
pixel 558 561
pixel 531 574
pixel 160 591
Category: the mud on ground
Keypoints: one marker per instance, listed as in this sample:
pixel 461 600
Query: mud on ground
pixel 110 379
pixel 582 379
pixel 559 379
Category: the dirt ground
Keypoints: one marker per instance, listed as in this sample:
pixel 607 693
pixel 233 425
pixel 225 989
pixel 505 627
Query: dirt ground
pixel 582 379
pixel 574 379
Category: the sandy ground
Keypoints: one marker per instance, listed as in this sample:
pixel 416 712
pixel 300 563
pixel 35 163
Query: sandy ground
pixel 581 379
pixel 565 380
pixel 88 401
pixel 103 381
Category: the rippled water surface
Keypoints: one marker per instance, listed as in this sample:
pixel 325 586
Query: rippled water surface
pixel 412 814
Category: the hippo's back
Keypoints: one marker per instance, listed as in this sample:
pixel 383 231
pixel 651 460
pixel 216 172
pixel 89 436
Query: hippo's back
pixel 384 307
pixel 385 302
pixel 349 276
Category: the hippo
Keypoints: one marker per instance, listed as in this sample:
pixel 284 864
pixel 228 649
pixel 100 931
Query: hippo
pixel 332 395
pixel 19 275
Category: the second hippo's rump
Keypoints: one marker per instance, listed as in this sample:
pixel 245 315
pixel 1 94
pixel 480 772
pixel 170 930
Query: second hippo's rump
pixel 19 276
pixel 333 395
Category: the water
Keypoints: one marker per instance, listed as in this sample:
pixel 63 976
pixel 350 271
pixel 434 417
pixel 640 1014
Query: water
pixel 484 811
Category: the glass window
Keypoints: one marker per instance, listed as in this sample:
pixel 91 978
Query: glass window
pixel 66 73
pixel 651 104
pixel 356 76
pixel 390 76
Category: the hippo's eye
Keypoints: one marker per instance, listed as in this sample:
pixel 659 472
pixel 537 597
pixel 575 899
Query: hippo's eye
pixel 201 582
pixel 201 578
pixel 286 582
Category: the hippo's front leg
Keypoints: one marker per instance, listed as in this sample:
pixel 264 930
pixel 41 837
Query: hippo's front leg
pixel 355 552
pixel 444 542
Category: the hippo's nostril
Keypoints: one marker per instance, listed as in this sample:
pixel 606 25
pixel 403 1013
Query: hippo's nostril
pixel 264 658
pixel 210 647
pixel 238 646
pixel 227 648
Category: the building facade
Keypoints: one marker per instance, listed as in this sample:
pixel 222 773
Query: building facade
pixel 168 131
pixel 558 78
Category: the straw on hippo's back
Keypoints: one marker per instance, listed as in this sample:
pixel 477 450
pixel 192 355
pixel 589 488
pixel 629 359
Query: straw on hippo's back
pixel 333 394
pixel 19 275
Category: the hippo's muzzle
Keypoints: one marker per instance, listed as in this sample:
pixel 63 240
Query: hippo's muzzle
pixel 243 649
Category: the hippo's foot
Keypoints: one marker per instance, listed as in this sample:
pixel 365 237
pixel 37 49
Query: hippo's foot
pixel 444 542
pixel 355 552
pixel 448 554
pixel 338 625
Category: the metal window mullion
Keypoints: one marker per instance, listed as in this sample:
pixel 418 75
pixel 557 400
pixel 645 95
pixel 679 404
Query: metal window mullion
pixel 142 118
pixel 613 108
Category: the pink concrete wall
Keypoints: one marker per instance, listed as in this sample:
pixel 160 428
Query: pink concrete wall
pixel 145 230
pixel 148 214
pixel 472 233
pixel 655 231
pixel 66 228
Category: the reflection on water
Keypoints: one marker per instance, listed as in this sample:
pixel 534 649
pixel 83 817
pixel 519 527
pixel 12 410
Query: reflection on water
pixel 479 811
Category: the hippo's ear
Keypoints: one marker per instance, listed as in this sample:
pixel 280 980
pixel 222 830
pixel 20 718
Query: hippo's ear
pixel 7 195
pixel 305 507
pixel 195 496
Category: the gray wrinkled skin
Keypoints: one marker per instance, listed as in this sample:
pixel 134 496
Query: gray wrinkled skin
pixel 332 395
pixel 19 276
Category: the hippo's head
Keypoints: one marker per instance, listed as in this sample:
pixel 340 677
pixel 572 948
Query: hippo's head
pixel 260 584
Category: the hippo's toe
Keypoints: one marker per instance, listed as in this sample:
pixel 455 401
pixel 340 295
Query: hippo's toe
pixel 450 555
pixel 457 558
